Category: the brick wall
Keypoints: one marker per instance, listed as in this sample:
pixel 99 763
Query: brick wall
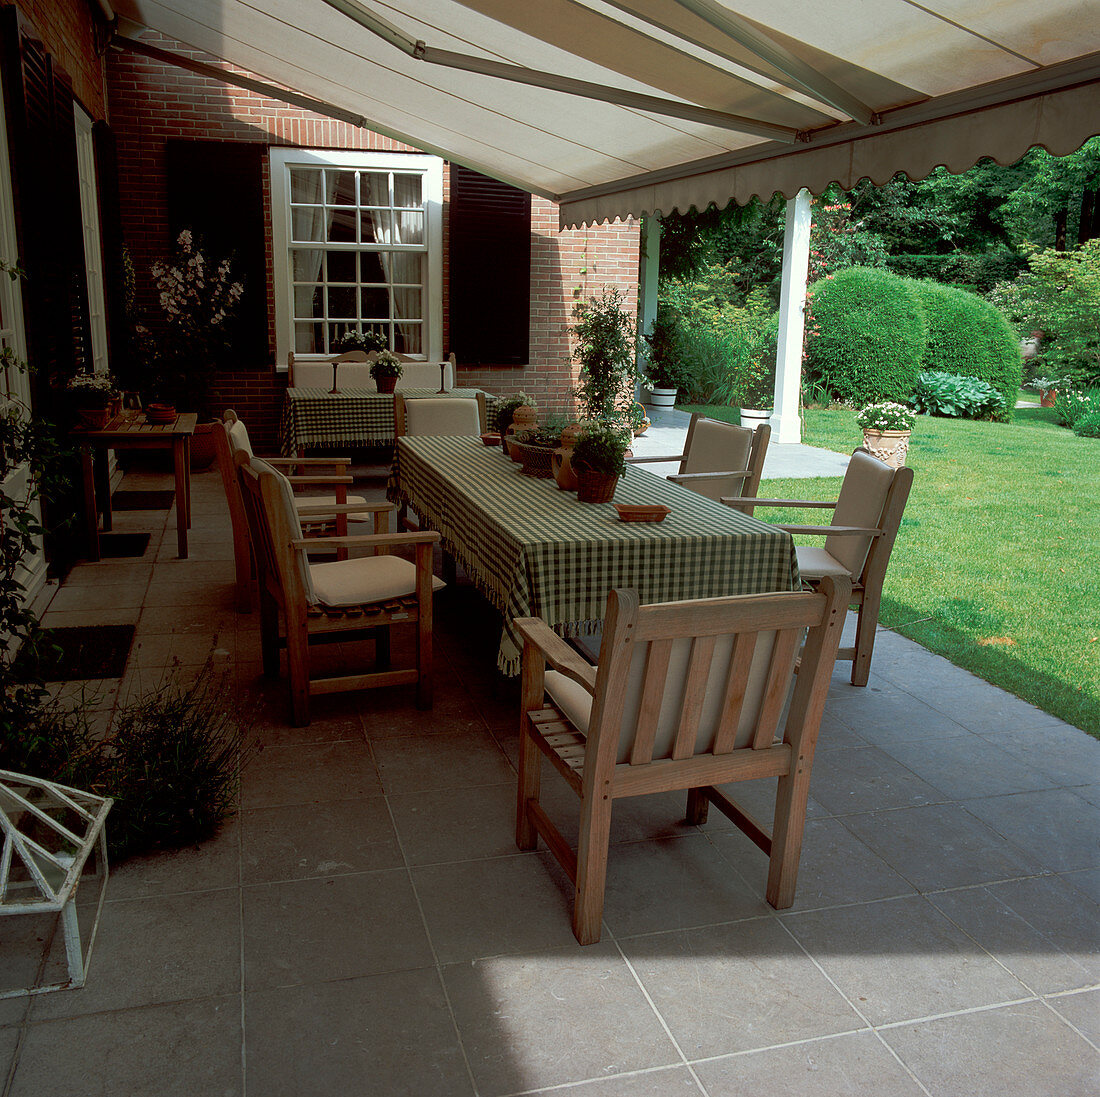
pixel 151 103
pixel 68 31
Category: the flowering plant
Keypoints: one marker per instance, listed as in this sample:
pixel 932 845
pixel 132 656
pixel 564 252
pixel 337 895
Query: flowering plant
pixel 354 339
pixel 92 390
pixel 885 416
pixel 198 299
pixel 387 364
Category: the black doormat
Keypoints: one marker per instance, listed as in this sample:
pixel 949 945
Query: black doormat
pixel 142 500
pixel 114 545
pixel 87 651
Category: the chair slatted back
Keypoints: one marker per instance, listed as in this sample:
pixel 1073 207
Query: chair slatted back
pixel 711 677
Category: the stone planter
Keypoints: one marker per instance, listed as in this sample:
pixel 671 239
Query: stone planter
pixel 663 398
pixel 754 417
pixel 889 446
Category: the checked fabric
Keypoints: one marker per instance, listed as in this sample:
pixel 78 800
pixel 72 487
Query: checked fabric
pixel 535 551
pixel 350 418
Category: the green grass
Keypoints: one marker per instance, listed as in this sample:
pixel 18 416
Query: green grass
pixel 997 564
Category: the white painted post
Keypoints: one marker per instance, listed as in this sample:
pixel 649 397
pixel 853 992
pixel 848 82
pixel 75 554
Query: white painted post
pixel 785 423
pixel 648 264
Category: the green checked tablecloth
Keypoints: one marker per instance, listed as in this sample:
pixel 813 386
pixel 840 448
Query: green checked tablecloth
pixel 349 418
pixel 535 551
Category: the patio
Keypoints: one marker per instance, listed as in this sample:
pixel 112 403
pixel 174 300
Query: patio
pixel 366 924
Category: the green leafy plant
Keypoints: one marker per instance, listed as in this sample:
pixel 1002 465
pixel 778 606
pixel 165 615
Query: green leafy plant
pixel 387 364
pixel 602 448
pixel 1070 405
pixel 955 396
pixel 638 417
pixel 885 416
pixel 1088 426
pixel 604 335
pixel 91 390
pixel 665 368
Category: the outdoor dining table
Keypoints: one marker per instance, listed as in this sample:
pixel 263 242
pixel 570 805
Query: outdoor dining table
pixel 536 551
pixel 352 417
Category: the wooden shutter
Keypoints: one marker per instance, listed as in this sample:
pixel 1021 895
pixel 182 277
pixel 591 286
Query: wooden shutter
pixel 215 189
pixel 490 245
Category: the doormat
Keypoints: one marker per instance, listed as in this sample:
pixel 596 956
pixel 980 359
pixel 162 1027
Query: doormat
pixel 78 652
pixel 143 500
pixel 114 545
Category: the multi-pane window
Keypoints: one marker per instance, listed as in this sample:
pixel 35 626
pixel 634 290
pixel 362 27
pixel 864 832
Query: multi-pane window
pixel 359 240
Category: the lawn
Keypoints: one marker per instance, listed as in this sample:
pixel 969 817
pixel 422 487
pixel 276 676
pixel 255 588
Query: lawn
pixel 997 564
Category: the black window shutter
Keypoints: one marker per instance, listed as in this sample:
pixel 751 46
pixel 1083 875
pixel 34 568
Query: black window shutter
pixel 490 242
pixel 215 189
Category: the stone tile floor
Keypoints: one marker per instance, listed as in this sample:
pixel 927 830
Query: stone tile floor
pixel 365 924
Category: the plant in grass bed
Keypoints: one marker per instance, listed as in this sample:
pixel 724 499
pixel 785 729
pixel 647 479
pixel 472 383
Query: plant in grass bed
pixel 1088 426
pixel 599 459
pixel 1073 404
pixel 886 429
pixel 956 397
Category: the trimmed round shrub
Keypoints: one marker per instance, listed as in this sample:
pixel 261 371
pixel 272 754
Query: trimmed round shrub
pixel 968 336
pixel 1088 426
pixel 867 335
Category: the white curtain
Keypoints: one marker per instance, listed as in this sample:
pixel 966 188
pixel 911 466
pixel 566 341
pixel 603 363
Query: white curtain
pixel 404 224
pixel 310 224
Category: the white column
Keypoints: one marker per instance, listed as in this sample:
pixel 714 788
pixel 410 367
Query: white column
pixel 648 264
pixel 786 426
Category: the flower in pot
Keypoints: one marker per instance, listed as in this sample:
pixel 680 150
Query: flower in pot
pixel 666 371
pixel 506 411
pixel 368 341
pixel 605 348
pixel 385 370
pixel 886 429
pixel 599 460
pixel 93 397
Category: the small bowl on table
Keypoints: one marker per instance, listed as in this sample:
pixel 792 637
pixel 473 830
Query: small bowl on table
pixel 642 512
pixel 490 439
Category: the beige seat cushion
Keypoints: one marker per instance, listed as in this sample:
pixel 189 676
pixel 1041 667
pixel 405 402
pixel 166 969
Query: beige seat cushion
pixel 442 417
pixel 370 579
pixel 862 498
pixel 575 702
pixel 815 563
pixel 356 375
pixel 330 501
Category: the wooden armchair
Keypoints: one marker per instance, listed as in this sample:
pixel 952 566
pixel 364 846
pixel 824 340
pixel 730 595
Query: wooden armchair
pixel 440 416
pixel 686 695
pixel 858 543
pixel 343 596
pixel 719 459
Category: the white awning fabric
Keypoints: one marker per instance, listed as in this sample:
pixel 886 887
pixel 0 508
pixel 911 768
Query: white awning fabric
pixel 622 107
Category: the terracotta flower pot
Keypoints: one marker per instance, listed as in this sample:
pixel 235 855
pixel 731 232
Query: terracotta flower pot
pixel 203 449
pixel 386 384
pixel 561 463
pixel 1047 397
pixel 889 446
pixel 596 487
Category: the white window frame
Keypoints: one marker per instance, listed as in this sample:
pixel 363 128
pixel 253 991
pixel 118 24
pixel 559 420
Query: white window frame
pixel 430 167
pixel 93 243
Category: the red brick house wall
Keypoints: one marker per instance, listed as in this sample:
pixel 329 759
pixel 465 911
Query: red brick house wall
pixel 150 103
pixel 68 31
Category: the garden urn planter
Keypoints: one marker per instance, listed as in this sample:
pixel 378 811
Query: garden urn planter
pixel 889 446
pixel 596 487
pixel 754 417
pixel 663 398
pixel 562 461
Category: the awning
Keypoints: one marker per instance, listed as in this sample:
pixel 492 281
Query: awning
pixel 620 107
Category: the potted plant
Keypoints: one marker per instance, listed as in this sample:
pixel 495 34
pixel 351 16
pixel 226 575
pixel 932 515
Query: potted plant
pixel 93 396
pixel 599 460
pixel 753 388
pixel 385 370
pixel 1047 387
pixel 665 369
pixel 506 411
pixel 886 429
pixel 605 347
pixel 639 421
pixel 356 339
pixel 536 449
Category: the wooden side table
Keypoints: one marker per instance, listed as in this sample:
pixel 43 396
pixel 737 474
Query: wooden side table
pixel 137 433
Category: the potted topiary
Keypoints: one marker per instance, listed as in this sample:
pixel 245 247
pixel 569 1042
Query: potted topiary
pixel 665 369
pixel 604 334
pixel 94 398
pixel 886 429
pixel 385 370
pixel 599 460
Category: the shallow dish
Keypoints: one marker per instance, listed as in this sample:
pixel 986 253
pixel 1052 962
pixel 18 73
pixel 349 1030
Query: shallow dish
pixel 642 512
pixel 490 439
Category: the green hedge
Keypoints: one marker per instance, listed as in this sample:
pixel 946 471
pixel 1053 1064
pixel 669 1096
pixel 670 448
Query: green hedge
pixel 866 336
pixel 977 273
pixel 968 336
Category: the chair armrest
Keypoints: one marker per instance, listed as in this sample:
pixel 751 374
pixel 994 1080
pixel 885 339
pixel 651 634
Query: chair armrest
pixel 346 508
pixel 654 460
pixel 702 477
pixel 367 540
pixel 321 479
pixel 312 462
pixel 729 500
pixel 830 531
pixel 556 651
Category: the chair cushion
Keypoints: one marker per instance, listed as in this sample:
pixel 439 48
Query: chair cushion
pixel 442 417
pixel 356 375
pixel 330 501
pixel 718 447
pixel 862 497
pixel 815 563
pixel 369 579
pixel 575 702
pixel 290 512
pixel 238 439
